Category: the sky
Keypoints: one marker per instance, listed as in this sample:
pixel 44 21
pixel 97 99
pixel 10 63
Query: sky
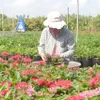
pixel 35 8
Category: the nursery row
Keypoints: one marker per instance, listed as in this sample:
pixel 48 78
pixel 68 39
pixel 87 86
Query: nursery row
pixel 87 47
pixel 23 79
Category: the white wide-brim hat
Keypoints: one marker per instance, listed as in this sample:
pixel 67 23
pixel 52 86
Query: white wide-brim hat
pixel 55 20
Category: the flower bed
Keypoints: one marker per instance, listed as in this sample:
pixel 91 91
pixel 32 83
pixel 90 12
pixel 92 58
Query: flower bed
pixel 21 78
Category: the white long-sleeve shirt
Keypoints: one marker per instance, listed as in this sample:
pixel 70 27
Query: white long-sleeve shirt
pixel 65 45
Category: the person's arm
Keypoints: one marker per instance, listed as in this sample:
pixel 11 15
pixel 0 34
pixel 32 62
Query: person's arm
pixel 71 46
pixel 41 47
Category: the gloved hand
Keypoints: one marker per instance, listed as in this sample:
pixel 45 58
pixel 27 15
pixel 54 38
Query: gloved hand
pixel 43 56
pixel 48 55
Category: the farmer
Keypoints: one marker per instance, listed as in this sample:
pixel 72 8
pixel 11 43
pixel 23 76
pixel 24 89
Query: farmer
pixel 56 40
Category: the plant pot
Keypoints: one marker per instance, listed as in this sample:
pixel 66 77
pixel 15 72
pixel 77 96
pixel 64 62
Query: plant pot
pixel 74 64
pixel 37 58
pixel 86 62
pixel 96 61
pixel 77 60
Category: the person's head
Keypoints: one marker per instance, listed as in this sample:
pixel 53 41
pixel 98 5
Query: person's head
pixel 54 31
pixel 55 21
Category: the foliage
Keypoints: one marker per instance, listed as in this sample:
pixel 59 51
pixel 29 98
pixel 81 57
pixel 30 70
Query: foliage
pixel 86 23
pixel 88 45
pixel 21 79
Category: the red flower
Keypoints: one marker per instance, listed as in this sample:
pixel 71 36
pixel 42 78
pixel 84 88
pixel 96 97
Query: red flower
pixel 15 63
pixel 40 62
pixel 10 59
pixel 21 85
pixel 4 83
pixel 94 81
pixel 6 73
pixel 17 56
pixel 49 83
pixel 53 85
pixel 63 83
pixel 5 53
pixel 35 79
pixel 41 82
pixel 75 98
pixel 28 88
pixel 2 60
pixel 28 72
pixel 27 60
pixel 3 92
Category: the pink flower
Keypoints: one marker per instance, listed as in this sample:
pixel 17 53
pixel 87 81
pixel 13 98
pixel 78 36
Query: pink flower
pixel 53 89
pixel 28 72
pixel 15 63
pixel 49 83
pixel 3 92
pixel 4 83
pixel 77 97
pixel 41 82
pixel 5 53
pixel 90 93
pixel 85 94
pixel 40 62
pixel 90 70
pixel 30 90
pixel 2 60
pixel 59 83
pixel 53 85
pixel 10 59
pixel 94 81
pixel 21 85
pixel 63 83
pixel 35 79
pixel 6 73
pixel 27 60
pixel 17 57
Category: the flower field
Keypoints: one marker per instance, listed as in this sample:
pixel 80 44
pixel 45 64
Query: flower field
pixel 22 78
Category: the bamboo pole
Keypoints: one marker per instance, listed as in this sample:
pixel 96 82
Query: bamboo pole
pixel 67 16
pixel 77 20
